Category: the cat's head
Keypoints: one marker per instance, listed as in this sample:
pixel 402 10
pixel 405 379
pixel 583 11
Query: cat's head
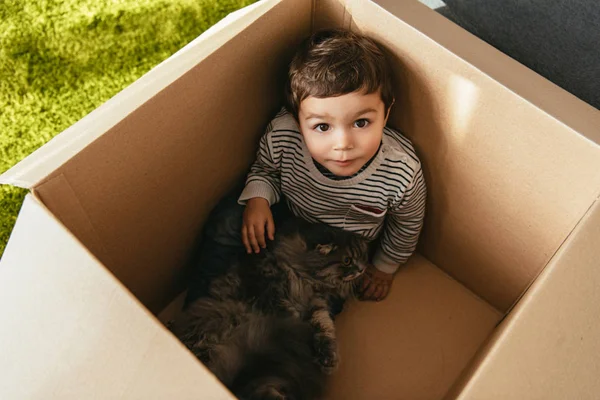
pixel 330 255
pixel 342 261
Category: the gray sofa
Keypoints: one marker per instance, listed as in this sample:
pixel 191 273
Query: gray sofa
pixel 559 39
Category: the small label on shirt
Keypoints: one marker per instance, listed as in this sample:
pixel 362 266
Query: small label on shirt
pixel 369 209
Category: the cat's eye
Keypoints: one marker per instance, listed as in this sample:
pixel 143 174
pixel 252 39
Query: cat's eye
pixel 347 260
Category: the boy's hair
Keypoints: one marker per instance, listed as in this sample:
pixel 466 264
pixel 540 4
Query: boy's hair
pixel 335 62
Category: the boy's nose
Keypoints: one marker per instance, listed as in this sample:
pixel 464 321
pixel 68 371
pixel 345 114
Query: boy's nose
pixel 343 142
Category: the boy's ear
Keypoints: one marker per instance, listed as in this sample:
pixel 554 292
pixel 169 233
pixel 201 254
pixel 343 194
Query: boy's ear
pixel 387 114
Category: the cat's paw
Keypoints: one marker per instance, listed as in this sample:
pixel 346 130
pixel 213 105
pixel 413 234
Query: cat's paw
pixel 326 353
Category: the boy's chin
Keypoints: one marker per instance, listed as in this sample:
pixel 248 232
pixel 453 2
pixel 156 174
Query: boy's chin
pixel 344 171
pixel 344 174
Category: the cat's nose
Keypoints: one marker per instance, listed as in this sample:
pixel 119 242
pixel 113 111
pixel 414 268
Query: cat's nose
pixel 357 270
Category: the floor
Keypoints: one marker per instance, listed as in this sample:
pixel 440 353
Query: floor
pixel 433 3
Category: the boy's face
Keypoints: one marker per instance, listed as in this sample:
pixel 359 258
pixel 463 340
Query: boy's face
pixel 342 133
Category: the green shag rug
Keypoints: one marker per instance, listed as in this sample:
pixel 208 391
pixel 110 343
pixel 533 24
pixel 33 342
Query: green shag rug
pixel 60 59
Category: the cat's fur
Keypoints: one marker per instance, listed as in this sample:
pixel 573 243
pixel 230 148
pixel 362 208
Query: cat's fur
pixel 265 329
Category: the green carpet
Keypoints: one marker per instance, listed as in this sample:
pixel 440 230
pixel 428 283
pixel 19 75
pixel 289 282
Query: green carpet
pixel 60 59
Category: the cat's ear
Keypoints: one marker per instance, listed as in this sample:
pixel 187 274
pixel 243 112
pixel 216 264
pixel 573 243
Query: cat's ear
pixel 319 235
pixel 325 249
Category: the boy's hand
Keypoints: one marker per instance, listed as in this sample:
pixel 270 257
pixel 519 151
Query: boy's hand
pixel 375 285
pixel 257 215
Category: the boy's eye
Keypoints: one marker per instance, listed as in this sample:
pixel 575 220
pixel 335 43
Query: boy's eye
pixel 361 123
pixel 321 127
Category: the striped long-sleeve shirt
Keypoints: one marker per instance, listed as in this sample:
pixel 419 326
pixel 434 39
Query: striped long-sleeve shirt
pixel 386 198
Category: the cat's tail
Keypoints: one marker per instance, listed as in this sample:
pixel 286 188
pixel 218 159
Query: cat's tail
pixel 254 355
pixel 269 358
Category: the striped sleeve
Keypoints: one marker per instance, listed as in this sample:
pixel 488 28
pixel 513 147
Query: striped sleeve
pixel 264 178
pixel 403 225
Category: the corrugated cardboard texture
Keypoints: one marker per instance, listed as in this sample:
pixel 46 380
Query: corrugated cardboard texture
pixel 147 184
pixel 548 347
pixel 414 344
pixel 506 183
pixel 71 331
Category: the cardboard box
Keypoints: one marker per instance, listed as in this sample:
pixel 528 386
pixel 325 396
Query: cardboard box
pixel 512 166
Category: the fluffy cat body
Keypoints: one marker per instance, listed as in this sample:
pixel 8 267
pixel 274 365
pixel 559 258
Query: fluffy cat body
pixel 265 329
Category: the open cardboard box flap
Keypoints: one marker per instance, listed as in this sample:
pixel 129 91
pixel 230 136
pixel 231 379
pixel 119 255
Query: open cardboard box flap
pixel 70 330
pixel 547 347
pixel 511 162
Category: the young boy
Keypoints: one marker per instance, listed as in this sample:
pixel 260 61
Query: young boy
pixel 332 158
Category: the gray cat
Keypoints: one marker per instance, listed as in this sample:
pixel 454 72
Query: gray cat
pixel 265 329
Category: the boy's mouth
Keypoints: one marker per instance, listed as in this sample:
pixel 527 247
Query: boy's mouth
pixel 343 163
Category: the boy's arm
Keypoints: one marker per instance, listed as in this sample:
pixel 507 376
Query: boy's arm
pixel 264 177
pixel 402 227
